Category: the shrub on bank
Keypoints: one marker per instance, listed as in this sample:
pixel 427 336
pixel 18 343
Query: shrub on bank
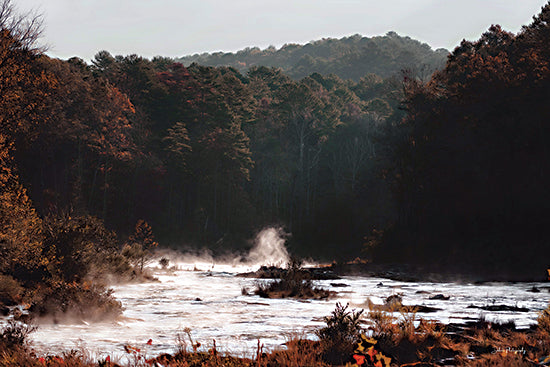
pixel 338 337
pixel 14 348
pixel 294 283
pixel 428 344
pixel 76 302
pixel 80 247
pixel 80 257
pixel 10 290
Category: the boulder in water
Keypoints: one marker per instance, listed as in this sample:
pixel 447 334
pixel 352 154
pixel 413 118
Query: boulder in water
pixel 440 297
pixel 497 308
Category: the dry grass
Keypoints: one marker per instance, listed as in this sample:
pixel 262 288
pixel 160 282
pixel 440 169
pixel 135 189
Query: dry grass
pixel 494 360
pixel 429 342
pixel 395 337
pixel 299 352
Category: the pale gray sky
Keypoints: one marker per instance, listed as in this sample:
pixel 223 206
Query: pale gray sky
pixel 181 27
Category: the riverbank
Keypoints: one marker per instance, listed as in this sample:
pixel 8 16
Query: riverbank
pixel 398 272
pixel 383 339
pixel 434 273
pixel 209 301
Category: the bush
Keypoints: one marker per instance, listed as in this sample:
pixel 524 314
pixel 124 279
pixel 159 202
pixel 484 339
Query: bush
pixel 343 330
pixel 299 352
pixel 164 263
pixel 543 329
pixel 15 335
pixel 139 248
pixel 544 320
pixel 10 291
pixel 382 324
pixel 78 244
pixel 74 301
pixel 294 283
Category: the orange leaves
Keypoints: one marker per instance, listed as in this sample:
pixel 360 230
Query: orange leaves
pixel 120 99
pixel 498 59
pixel 23 88
pixel 109 134
pixel 88 110
pixel 138 353
pixel 51 361
pixel 20 226
pixel 370 353
pixel 131 350
pixel 359 359
pixel 143 234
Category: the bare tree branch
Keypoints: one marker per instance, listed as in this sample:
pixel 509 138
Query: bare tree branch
pixel 26 28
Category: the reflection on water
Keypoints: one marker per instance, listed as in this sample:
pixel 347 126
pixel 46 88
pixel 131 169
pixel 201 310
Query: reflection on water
pixel 207 299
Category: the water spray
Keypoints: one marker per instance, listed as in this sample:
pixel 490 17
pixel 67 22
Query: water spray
pixel 269 248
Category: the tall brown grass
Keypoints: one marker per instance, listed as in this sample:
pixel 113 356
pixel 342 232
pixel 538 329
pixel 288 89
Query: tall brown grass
pixel 406 339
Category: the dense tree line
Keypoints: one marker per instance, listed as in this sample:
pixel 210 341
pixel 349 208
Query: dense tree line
pixel 213 155
pixel 349 57
pixel 471 160
pixel 206 155
pixel 59 126
pixel 95 157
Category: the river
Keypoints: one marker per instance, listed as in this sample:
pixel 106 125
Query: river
pixel 207 298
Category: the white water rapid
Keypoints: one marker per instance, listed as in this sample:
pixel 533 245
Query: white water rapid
pixel 206 297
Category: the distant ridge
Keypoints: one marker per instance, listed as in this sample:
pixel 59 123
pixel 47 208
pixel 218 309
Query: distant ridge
pixel 349 57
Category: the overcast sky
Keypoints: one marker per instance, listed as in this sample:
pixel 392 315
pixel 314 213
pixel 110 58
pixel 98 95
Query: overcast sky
pixel 182 27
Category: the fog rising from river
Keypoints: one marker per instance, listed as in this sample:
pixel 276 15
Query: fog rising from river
pixel 206 297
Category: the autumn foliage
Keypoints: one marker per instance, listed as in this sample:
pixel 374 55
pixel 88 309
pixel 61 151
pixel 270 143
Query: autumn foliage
pixel 470 167
pixel 452 168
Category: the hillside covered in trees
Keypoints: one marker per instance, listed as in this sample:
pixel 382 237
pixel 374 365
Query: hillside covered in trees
pixel 349 57
pixel 206 155
pixel 470 173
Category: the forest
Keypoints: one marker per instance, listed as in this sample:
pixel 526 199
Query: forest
pixel 350 57
pixel 102 162
pixel 205 155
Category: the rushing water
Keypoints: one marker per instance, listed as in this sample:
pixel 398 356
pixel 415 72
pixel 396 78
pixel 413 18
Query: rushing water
pixel 207 298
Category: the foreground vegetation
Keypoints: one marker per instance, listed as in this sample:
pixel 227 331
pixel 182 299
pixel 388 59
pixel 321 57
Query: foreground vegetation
pixel 402 340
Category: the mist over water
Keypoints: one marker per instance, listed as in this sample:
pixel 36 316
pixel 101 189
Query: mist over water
pixel 211 304
pixel 205 294
pixel 269 248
